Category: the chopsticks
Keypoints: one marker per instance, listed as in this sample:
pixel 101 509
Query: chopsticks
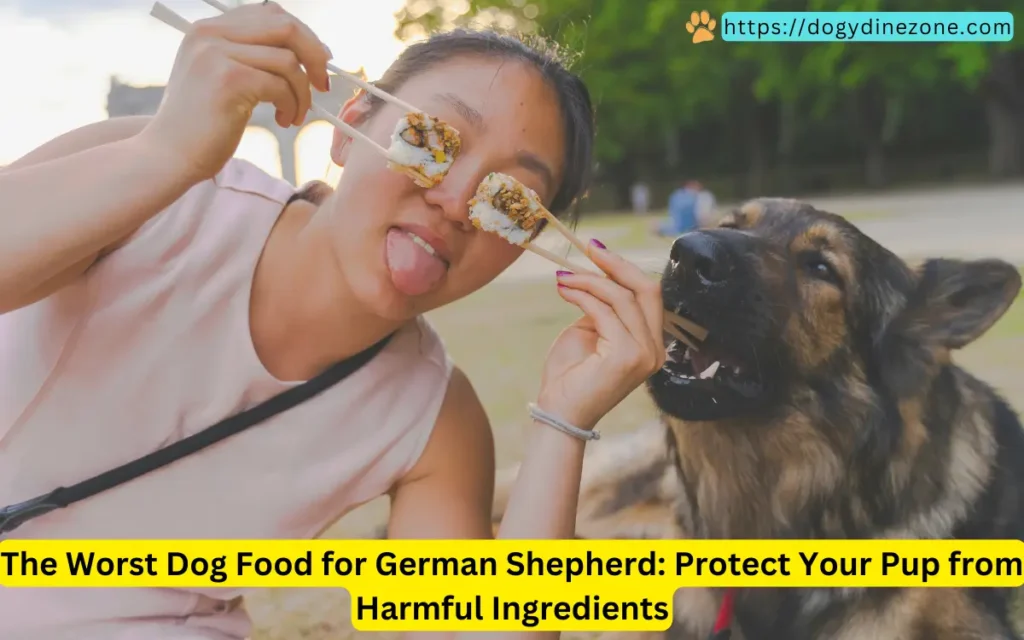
pixel 356 80
pixel 564 230
pixel 687 331
pixel 171 18
pixel 694 330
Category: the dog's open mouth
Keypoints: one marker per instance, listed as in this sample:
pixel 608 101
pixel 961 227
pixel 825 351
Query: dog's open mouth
pixel 711 369
pixel 713 383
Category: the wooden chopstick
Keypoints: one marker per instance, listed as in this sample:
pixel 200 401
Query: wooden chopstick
pixel 670 319
pixel 171 18
pixel 679 335
pixel 689 326
pixel 352 131
pixel 564 230
pixel 356 80
pixel 369 88
pixel 219 6
pixel 557 259
pixel 694 329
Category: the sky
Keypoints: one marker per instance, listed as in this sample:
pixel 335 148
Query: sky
pixel 57 58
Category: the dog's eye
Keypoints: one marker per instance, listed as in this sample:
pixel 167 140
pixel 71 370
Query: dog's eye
pixel 819 268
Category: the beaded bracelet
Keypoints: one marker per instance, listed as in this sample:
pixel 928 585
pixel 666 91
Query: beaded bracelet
pixel 543 416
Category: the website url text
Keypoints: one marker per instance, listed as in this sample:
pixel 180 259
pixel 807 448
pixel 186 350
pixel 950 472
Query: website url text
pixel 766 26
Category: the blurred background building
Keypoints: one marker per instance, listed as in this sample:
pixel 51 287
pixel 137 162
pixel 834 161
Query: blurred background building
pixel 129 100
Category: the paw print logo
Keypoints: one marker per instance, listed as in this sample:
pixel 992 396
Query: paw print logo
pixel 701 26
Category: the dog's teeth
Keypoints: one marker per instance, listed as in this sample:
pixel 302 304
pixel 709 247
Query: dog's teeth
pixel 710 371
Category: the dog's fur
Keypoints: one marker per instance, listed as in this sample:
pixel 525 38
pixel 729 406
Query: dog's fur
pixel 864 427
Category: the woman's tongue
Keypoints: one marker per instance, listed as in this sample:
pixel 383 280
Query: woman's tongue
pixel 413 270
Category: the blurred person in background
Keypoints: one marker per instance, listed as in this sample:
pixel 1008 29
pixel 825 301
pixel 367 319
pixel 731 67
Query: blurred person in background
pixel 641 197
pixel 705 206
pixel 684 207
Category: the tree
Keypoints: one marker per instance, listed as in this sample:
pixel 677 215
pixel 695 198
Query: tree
pixel 668 107
pixel 880 77
pixel 996 72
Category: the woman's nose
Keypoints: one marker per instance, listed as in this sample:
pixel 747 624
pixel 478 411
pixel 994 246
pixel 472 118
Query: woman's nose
pixel 453 194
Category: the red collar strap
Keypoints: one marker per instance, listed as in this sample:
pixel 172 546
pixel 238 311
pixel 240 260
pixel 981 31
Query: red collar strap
pixel 723 625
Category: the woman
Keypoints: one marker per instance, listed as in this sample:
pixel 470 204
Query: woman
pixel 152 286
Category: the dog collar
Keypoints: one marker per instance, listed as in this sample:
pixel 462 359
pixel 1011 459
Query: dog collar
pixel 723 624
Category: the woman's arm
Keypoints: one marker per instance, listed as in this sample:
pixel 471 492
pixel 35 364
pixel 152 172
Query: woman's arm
pixel 80 139
pixel 74 198
pixel 594 364
pixel 441 500
pixel 85 137
pixel 59 212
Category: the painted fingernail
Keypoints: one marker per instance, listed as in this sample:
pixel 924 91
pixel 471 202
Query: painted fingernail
pixel 597 243
pixel 563 273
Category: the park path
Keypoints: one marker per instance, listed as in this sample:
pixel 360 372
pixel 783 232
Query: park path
pixel 954 222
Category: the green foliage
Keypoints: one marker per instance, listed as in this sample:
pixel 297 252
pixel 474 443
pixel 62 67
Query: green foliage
pixel 648 77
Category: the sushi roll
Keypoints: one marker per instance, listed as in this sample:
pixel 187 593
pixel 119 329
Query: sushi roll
pixel 505 206
pixel 424 148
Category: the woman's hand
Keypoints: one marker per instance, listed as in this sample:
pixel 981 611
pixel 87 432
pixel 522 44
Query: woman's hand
pixel 225 66
pixel 601 358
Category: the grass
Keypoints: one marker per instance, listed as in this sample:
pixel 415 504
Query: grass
pixel 526 318
pixel 1012 324
pixel 996 356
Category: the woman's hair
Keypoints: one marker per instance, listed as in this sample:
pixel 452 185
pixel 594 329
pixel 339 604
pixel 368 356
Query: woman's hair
pixel 545 57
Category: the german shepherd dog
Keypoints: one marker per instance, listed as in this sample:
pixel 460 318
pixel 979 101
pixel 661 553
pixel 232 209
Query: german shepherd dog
pixel 824 405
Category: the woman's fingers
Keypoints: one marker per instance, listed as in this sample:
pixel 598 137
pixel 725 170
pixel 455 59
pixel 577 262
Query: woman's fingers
pixel 280 62
pixel 605 321
pixel 620 299
pixel 630 342
pixel 265 87
pixel 270 25
pixel 646 289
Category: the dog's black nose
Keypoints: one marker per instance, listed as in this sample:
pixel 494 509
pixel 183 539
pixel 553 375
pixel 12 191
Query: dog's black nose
pixel 702 254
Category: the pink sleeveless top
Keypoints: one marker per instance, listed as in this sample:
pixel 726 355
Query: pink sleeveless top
pixel 152 345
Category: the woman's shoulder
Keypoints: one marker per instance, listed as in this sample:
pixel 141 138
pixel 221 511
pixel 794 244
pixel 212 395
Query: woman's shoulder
pixel 418 340
pixel 238 197
pixel 244 177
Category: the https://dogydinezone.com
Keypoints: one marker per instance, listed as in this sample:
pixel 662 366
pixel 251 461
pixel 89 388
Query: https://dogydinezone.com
pixel 497 585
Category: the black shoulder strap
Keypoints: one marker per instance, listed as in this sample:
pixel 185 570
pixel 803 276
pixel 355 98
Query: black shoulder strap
pixel 15 515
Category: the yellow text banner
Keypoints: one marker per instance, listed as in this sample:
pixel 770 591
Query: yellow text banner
pixel 492 585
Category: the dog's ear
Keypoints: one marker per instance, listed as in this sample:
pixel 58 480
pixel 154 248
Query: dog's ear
pixel 951 304
pixel 956 301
